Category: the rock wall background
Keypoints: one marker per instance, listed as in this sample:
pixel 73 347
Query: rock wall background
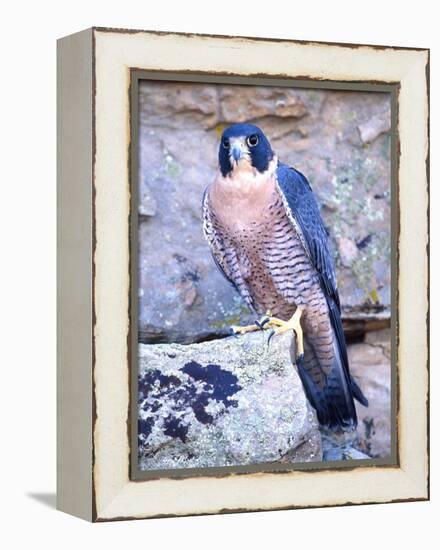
pixel 339 140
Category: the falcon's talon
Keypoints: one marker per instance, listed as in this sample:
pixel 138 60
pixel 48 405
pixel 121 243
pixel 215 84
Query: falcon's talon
pixel 271 334
pixel 263 321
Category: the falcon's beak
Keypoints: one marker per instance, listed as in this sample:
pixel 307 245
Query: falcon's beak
pixel 236 152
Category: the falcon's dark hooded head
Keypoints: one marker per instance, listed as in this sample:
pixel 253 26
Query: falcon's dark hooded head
pixel 244 144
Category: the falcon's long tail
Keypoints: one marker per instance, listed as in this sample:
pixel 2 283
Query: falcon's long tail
pixel 326 378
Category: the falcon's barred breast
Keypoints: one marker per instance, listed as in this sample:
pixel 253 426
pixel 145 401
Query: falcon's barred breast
pixel 266 234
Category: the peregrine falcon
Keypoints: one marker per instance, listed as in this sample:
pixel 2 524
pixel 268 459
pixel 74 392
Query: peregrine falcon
pixel 266 235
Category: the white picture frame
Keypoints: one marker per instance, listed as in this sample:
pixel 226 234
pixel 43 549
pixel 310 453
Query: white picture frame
pixel 94 287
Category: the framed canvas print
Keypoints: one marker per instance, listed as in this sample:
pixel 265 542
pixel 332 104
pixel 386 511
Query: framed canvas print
pixel 242 274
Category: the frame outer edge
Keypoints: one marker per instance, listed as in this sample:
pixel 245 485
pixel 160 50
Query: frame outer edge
pixel 74 274
pixel 109 513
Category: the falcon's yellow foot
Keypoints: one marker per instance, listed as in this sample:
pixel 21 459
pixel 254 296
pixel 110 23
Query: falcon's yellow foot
pixel 244 329
pixel 284 326
pixel 261 324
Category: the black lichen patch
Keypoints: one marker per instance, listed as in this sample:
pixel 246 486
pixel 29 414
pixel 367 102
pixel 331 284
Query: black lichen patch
pixel 155 381
pixel 144 427
pixel 222 383
pixel 200 386
pixel 175 428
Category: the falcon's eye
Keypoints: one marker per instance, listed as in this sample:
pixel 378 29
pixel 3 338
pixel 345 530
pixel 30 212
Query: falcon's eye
pixel 225 143
pixel 252 140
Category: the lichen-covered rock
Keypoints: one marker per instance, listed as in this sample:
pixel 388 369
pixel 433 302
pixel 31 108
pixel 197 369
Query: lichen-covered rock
pixel 339 140
pixel 223 403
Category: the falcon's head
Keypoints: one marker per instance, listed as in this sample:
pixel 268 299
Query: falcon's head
pixel 244 146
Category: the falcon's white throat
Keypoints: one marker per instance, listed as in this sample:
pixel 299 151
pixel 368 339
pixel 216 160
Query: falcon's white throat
pixel 242 198
pixel 245 178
